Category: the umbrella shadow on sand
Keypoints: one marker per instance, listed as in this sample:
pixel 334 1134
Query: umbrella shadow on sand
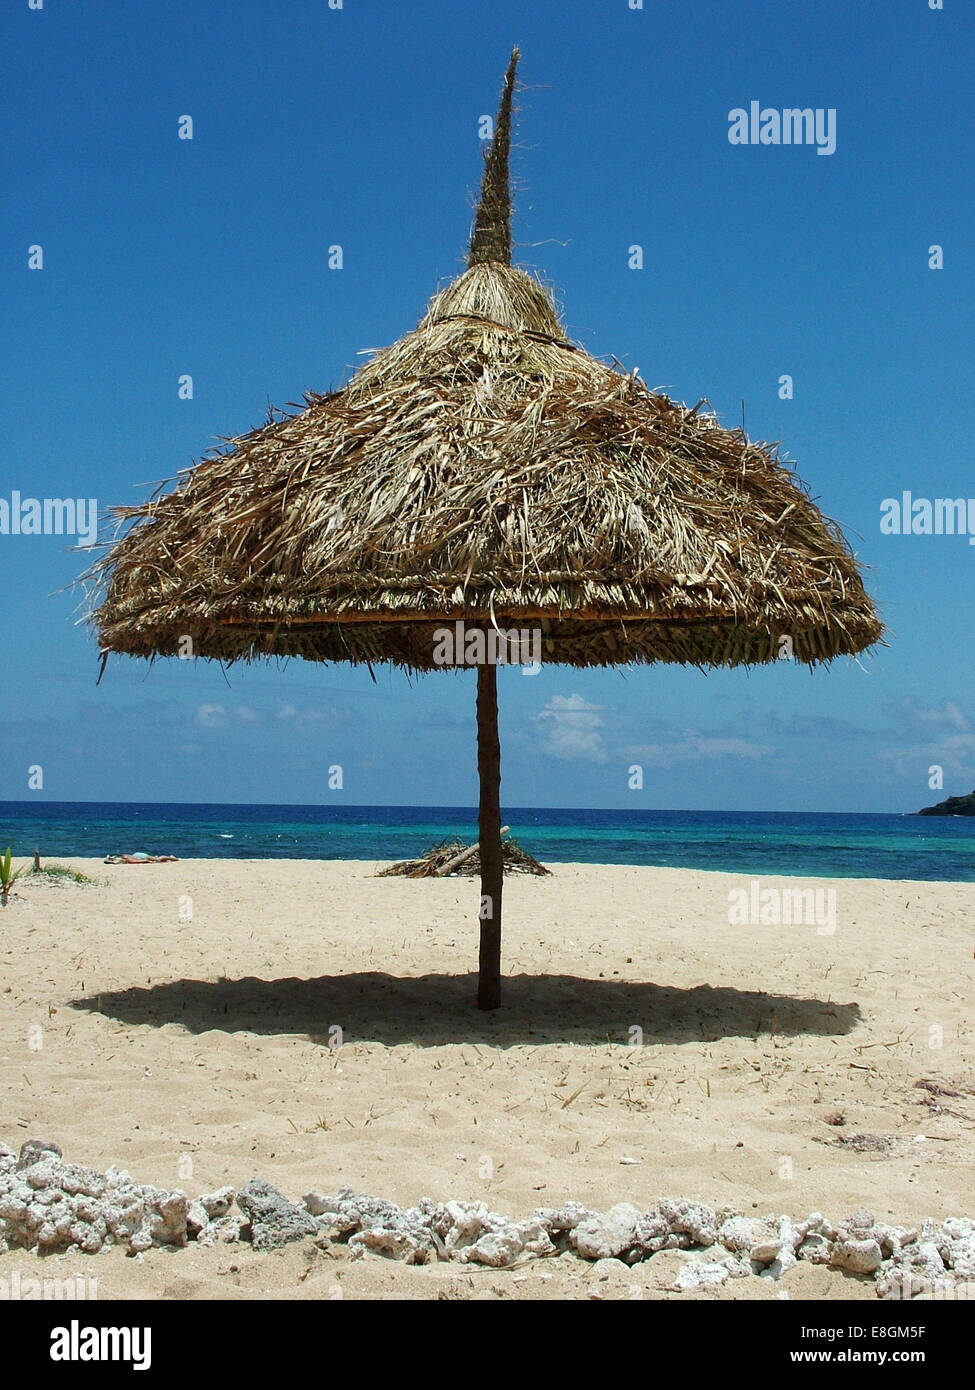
pixel 432 1010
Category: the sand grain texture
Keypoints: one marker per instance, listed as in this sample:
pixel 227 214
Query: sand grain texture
pixel 196 1053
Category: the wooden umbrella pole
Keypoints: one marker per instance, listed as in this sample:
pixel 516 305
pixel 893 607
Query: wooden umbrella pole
pixel 489 837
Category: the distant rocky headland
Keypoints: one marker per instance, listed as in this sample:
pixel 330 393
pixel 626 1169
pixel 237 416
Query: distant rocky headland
pixel 953 806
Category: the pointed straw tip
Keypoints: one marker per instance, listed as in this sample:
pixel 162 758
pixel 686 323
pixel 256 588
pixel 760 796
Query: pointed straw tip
pixel 491 237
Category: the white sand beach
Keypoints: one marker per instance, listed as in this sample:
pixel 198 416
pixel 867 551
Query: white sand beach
pixel 195 1052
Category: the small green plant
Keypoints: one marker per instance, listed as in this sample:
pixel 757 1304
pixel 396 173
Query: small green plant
pixel 8 877
pixel 60 873
pixel 63 871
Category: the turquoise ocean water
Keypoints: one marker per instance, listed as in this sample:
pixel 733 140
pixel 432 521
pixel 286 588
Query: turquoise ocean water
pixel 755 842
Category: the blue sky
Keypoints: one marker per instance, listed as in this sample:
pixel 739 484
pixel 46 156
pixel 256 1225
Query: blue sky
pixel 359 127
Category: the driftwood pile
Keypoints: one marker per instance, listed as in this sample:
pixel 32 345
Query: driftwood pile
pixel 454 857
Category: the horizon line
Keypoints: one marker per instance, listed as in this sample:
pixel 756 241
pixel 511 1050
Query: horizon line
pixel 467 810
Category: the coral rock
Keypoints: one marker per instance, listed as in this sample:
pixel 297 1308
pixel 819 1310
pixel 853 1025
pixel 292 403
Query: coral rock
pixel 273 1219
pixel 858 1256
pixel 613 1233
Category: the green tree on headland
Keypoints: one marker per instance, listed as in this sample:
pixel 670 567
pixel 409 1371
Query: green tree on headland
pixel 953 806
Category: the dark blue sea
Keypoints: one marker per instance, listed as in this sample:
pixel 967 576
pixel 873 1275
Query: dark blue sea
pixel 757 842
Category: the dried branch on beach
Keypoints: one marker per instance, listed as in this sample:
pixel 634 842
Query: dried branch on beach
pixel 456 857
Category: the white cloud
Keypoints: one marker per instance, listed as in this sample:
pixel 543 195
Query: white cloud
pixel 571 729
pixel 955 753
pixel 949 714
pixel 686 746
pixel 211 716
pixel 317 717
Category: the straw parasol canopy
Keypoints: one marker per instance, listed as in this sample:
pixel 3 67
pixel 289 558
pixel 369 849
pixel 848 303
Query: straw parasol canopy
pixel 486 471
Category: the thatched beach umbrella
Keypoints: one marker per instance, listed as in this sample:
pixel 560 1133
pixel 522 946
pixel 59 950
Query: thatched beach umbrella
pixel 486 471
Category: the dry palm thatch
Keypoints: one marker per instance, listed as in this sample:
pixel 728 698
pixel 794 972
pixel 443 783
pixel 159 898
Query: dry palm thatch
pixel 485 466
pixel 484 469
pixel 456 857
